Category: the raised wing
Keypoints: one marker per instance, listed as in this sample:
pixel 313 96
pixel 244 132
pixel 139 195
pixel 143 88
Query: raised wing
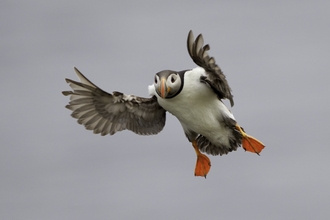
pixel 106 113
pixel 214 76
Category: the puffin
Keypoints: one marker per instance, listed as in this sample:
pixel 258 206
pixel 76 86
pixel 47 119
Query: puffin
pixel 194 96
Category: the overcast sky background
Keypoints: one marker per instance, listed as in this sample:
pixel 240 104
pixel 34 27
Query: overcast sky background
pixel 275 56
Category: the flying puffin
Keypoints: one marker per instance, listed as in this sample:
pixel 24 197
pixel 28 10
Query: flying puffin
pixel 194 96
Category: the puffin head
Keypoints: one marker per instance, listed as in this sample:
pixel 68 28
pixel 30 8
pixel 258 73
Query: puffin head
pixel 168 83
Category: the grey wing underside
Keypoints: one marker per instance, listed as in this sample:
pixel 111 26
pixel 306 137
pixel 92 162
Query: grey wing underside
pixel 106 113
pixel 215 78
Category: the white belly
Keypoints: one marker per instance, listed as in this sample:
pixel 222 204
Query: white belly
pixel 198 109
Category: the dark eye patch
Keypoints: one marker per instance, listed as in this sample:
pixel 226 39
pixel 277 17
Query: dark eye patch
pixel 172 79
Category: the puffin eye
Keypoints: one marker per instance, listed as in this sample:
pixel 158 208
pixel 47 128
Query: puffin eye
pixel 172 79
pixel 156 80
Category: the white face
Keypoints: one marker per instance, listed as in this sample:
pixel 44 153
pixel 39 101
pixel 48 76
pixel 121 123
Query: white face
pixel 167 84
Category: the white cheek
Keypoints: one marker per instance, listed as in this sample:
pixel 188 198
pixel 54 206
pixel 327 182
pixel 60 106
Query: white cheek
pixel 168 81
pixel 177 84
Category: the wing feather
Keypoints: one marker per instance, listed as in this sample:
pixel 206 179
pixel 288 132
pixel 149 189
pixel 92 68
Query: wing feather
pixel 214 76
pixel 106 113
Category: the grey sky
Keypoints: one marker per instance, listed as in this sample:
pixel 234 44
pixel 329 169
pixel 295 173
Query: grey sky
pixel 276 59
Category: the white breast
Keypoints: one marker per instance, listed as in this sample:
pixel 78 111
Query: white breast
pixel 198 108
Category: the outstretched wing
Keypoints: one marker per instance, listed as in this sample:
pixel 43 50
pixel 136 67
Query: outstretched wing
pixel 106 113
pixel 214 76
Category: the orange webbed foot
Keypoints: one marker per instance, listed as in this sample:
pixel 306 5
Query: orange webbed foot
pixel 203 163
pixel 250 143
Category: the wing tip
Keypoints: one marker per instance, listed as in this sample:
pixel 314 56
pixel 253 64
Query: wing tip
pixel 76 70
pixel 191 33
pixel 67 80
pixel 66 93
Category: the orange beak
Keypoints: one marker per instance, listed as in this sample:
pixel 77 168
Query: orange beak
pixel 163 88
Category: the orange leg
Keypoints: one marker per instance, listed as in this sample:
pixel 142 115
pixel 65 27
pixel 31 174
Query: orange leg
pixel 203 163
pixel 250 143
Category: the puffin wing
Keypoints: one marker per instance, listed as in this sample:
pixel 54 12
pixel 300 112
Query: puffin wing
pixel 106 113
pixel 214 76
